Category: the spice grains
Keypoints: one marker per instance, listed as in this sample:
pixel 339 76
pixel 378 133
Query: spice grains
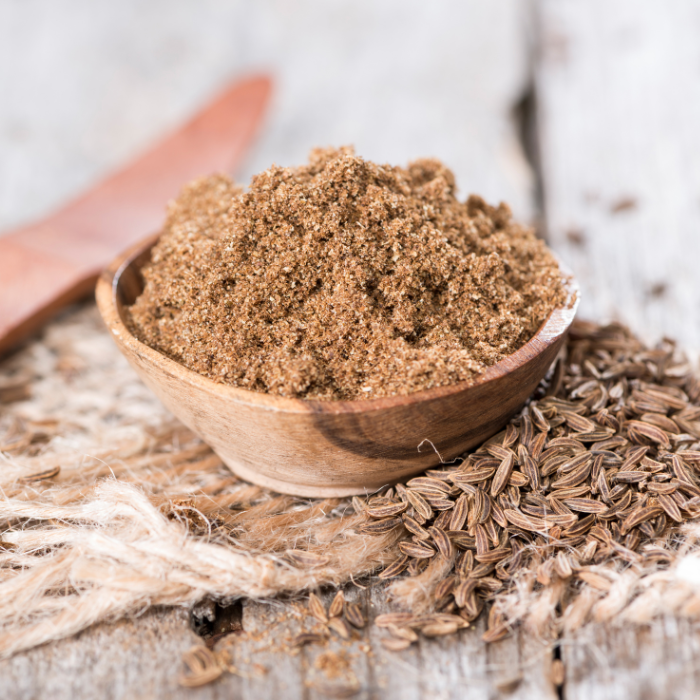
pixel 342 279
pixel 600 471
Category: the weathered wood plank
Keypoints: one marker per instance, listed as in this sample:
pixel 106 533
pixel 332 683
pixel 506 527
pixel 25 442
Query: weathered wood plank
pixel 267 673
pixel 143 658
pixel 626 663
pixel 460 666
pixel 618 101
pixel 523 663
pixel 128 659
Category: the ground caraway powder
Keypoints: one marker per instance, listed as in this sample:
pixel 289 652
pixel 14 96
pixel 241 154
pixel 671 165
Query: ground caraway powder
pixel 342 279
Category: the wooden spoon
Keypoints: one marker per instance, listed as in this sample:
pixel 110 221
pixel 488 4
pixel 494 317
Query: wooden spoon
pixel 331 448
pixel 56 261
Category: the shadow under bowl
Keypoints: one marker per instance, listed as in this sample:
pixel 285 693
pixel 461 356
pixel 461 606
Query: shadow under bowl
pixel 330 448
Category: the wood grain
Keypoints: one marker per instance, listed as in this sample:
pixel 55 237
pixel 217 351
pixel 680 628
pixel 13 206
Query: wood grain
pixel 142 658
pixel 330 448
pixel 56 261
pixel 606 662
pixel 127 659
pixel 618 98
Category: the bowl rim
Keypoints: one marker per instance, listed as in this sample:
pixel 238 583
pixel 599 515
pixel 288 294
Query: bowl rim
pixel 557 323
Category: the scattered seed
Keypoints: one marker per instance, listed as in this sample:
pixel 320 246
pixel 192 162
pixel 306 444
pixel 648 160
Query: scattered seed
pixel 403 633
pixel 316 608
pixel 501 477
pixel 420 504
pixel 337 606
pixel 304 638
pixel 442 542
pixel 395 568
pixel 459 515
pixel 394 644
pixel 304 559
pixel 395 619
pixel 340 627
pixel 202 665
pixel 354 615
pixel 386 511
pixel 379 527
pixel 439 629
pixel 603 465
pixel 417 551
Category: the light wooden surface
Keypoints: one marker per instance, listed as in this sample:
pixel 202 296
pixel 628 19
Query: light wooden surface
pixel 618 96
pixel 659 661
pixel 141 659
pixel 616 86
pixel 330 448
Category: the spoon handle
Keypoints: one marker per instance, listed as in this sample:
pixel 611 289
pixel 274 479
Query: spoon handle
pixel 53 262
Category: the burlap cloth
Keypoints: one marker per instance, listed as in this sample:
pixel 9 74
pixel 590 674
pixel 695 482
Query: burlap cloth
pixel 109 506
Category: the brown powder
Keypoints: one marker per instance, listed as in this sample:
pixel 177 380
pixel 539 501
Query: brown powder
pixel 342 279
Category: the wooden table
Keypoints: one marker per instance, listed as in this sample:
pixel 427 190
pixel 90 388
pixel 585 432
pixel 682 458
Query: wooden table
pixel 608 111
pixel 141 658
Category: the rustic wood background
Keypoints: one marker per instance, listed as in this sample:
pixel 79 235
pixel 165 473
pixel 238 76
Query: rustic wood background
pixel 583 114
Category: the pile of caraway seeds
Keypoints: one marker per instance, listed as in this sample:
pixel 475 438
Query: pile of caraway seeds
pixel 601 467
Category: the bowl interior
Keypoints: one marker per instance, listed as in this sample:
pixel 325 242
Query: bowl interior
pixel 128 284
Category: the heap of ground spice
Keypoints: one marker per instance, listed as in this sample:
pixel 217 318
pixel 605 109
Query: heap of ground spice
pixel 342 279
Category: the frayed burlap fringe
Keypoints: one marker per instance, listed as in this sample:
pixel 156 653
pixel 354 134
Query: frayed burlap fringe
pixel 140 513
pixel 108 507
pixel 117 553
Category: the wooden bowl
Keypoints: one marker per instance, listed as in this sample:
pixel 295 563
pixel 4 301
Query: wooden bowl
pixel 330 448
